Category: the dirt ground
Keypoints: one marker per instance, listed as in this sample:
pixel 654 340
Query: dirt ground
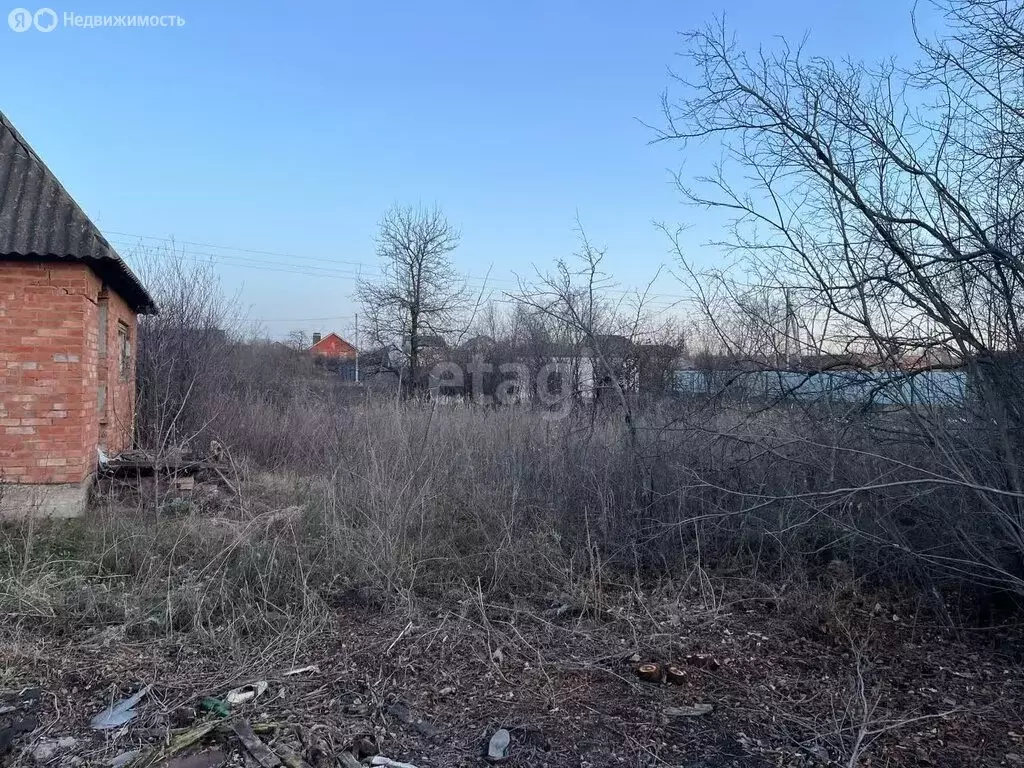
pixel 784 689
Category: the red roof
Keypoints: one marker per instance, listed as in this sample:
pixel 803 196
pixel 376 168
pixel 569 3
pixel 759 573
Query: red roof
pixel 332 345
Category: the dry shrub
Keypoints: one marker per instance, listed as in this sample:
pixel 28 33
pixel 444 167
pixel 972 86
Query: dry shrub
pixel 399 500
pixel 411 497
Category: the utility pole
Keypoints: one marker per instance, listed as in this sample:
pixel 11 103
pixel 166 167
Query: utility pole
pixel 791 329
pixel 359 277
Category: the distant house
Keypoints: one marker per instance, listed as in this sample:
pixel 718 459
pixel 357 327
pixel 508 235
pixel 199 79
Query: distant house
pixel 68 307
pixel 332 346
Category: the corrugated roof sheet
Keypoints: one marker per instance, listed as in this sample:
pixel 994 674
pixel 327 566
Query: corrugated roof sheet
pixel 39 220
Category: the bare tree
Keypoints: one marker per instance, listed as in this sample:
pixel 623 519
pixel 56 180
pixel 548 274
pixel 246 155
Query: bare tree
pixel 575 297
pixel 298 340
pixel 419 292
pixel 878 209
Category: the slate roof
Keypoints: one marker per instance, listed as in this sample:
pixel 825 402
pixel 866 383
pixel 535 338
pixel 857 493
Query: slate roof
pixel 40 221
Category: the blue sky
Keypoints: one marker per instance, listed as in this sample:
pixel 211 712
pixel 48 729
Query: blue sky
pixel 290 128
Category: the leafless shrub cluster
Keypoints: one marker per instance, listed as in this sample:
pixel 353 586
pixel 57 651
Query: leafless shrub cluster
pixel 413 495
pixel 876 233
pixel 181 350
pixel 874 218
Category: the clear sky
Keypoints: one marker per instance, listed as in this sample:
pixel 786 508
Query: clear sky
pixel 290 127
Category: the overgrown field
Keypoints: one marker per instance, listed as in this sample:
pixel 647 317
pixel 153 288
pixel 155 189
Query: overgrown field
pixel 495 567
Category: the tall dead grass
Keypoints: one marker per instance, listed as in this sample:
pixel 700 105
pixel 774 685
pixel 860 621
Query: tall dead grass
pixel 387 502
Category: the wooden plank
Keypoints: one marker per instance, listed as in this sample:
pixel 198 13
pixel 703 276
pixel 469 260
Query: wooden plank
pixel 260 751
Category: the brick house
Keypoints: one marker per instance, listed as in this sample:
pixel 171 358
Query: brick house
pixel 68 307
pixel 332 346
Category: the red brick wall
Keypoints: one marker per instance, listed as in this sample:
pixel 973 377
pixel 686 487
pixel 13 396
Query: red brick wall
pixel 51 369
pixel 118 419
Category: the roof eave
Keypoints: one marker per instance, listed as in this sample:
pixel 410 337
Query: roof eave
pixel 114 273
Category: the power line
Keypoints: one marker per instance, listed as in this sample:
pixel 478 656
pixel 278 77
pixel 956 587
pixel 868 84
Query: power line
pixel 656 302
pixel 371 270
pixel 303 319
pixel 166 240
pixel 251 263
pixel 251 260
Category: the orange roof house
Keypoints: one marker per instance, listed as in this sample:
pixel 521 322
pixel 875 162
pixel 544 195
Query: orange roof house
pixel 332 346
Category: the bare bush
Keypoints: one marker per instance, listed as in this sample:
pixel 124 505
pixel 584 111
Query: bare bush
pixel 182 350
pixel 881 223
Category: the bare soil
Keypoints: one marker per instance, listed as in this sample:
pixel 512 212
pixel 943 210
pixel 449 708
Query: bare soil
pixel 786 688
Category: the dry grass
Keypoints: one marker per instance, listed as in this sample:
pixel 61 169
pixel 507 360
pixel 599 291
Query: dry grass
pixel 409 501
pixel 490 566
pixel 392 520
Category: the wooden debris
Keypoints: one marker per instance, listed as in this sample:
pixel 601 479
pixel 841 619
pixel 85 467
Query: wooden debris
pixel 697 710
pixel 181 741
pixel 148 463
pixel 303 670
pixel 675 675
pixel 213 758
pixel 290 758
pixel 260 752
pixel 389 763
pixel 652 673
pixel 185 739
